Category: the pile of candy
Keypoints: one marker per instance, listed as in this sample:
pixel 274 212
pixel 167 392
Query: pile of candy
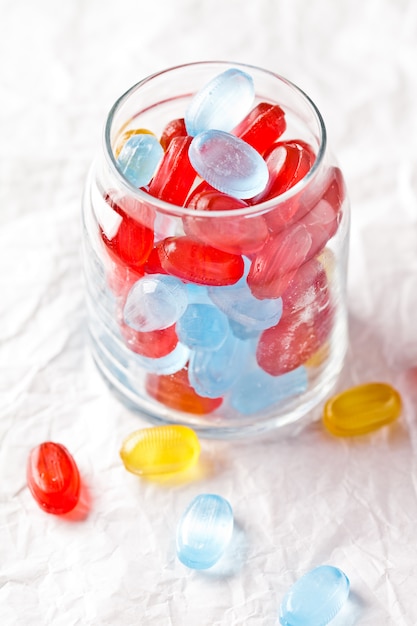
pixel 234 301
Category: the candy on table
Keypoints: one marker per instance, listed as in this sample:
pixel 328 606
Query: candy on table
pixel 288 162
pixel 139 158
pixel 228 164
pixel 166 449
pixel 316 598
pixel 53 478
pixel 174 128
pixel 196 262
pixel 257 390
pixel 202 327
pixel 221 103
pixel 176 392
pixel 275 265
pixel 175 175
pixel 204 531
pixel 238 235
pixel 127 135
pixel 153 344
pixel 262 127
pixel 155 302
pixel 362 409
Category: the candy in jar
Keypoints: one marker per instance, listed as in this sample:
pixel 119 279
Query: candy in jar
pixel 362 409
pixel 53 478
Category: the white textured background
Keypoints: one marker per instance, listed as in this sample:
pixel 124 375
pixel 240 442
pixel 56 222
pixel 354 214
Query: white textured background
pixel 299 500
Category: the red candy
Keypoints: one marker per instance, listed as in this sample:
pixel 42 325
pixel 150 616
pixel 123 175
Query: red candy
pixel 53 478
pixel 153 344
pixel 262 126
pixel 133 240
pixel 175 175
pixel 276 264
pixel 175 391
pixel 308 290
pixel 195 262
pixel 174 128
pixel 237 235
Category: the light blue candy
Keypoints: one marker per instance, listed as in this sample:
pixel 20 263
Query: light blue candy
pixel 204 531
pixel 139 158
pixel 228 163
pixel 197 294
pixel 316 598
pixel 202 327
pixel 212 374
pixel 221 104
pixel 258 390
pixel 155 302
pixel 238 303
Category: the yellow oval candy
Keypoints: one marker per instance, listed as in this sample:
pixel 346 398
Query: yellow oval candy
pixel 160 450
pixel 362 409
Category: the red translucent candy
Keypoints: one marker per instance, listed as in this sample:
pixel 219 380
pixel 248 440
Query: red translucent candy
pixel 321 223
pixel 194 261
pixel 174 128
pixel 237 235
pixel 308 291
pixel 153 264
pixel 294 339
pixel 288 162
pixel 262 126
pixel 53 478
pixel 175 391
pixel 120 278
pixel 153 344
pixel 175 175
pixel 132 242
pixel 275 265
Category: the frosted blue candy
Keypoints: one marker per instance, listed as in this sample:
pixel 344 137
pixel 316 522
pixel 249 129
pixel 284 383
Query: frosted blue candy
pixel 316 598
pixel 222 103
pixel 202 327
pixel 238 303
pixel 155 302
pixel 228 163
pixel 168 364
pixel 212 374
pixel 139 158
pixel 257 390
pixel 204 531
pixel 242 332
pixel 197 294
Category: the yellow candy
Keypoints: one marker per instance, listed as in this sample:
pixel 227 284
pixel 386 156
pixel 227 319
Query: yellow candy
pixel 362 409
pixel 126 135
pixel 160 450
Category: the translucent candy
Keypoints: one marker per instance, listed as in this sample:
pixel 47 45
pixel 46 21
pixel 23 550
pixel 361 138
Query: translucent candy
pixel 153 344
pixel 155 302
pixel 228 164
pixel 362 409
pixel 202 327
pixel 174 128
pixel 193 261
pixel 53 478
pixel 175 174
pixel 126 135
pixel 258 390
pixel 139 158
pixel 176 392
pixel 262 126
pixel 171 363
pixel 204 531
pixel 160 450
pixel 238 303
pixel 316 598
pixel 221 103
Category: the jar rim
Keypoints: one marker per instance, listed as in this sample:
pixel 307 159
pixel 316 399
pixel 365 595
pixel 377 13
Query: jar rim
pixel 255 209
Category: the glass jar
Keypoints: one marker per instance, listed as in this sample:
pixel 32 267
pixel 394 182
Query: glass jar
pixel 231 319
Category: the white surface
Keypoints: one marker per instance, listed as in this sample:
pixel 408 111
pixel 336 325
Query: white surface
pixel 299 500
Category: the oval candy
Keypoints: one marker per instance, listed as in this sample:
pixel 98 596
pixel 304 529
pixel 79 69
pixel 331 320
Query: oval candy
pixel 139 158
pixel 204 531
pixel 163 449
pixel 316 598
pixel 362 409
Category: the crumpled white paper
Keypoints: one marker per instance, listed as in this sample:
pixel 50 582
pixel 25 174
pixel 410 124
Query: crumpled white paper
pixel 300 497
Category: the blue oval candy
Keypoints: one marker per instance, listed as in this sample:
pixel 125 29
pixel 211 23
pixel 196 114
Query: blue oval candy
pixel 139 158
pixel 222 103
pixel 316 598
pixel 202 327
pixel 204 531
pixel 228 163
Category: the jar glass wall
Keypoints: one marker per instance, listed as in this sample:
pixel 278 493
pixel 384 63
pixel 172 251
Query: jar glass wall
pixel 229 317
